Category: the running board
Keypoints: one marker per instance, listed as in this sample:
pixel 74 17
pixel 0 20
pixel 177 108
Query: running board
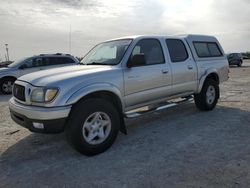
pixel 145 110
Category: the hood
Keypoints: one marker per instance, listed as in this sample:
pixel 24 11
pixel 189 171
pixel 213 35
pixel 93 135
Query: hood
pixel 53 77
pixel 4 69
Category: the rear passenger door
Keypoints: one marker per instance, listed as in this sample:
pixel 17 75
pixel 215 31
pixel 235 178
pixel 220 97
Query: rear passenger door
pixel 184 69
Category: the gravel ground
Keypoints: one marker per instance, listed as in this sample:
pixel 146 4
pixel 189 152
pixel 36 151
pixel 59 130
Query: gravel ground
pixel 177 147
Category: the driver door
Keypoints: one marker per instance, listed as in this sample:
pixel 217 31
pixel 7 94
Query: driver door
pixel 31 65
pixel 150 81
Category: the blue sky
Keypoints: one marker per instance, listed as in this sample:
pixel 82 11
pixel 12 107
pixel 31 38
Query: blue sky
pixel 33 27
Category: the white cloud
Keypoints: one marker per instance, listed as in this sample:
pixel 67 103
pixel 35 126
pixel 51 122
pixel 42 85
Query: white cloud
pixel 33 27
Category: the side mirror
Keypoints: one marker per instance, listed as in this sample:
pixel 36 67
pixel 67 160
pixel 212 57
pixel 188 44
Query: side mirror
pixel 136 60
pixel 23 66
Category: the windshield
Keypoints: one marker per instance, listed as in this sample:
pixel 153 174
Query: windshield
pixel 107 53
pixel 17 63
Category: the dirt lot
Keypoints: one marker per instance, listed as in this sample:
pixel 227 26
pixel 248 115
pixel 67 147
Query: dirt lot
pixel 178 147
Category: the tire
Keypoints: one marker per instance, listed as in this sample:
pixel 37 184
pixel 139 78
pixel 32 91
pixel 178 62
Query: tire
pixel 93 126
pixel 208 97
pixel 239 64
pixel 6 85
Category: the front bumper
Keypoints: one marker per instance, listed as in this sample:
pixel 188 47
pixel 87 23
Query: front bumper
pixel 52 119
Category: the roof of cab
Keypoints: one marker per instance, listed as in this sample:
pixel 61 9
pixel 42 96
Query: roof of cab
pixel 188 36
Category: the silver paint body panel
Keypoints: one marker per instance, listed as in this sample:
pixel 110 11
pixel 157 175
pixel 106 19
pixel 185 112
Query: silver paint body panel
pixel 136 86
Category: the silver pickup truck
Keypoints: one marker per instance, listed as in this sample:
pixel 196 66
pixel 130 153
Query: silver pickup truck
pixel 115 80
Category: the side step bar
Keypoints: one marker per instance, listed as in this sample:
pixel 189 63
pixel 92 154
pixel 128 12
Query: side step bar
pixel 147 109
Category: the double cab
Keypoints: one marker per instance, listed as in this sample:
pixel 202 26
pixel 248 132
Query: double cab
pixel 90 100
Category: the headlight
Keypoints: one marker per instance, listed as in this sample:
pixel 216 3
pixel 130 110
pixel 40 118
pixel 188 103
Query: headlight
pixel 50 94
pixel 43 94
pixel 37 95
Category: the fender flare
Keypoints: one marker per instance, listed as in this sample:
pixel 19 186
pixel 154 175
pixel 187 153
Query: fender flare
pixel 84 91
pixel 8 76
pixel 204 77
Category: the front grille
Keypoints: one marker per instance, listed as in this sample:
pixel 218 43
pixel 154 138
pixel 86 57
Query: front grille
pixel 19 92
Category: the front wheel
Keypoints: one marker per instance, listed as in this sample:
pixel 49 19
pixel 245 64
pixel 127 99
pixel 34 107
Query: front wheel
pixel 6 85
pixel 208 97
pixel 93 126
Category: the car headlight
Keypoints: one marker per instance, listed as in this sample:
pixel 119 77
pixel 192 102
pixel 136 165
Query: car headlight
pixel 43 94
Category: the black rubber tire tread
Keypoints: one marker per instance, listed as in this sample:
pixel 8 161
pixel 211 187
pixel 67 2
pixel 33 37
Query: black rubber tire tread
pixel 239 64
pixel 78 115
pixel 4 80
pixel 200 99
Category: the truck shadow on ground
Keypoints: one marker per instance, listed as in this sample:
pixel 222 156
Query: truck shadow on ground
pixel 151 139
pixel 175 118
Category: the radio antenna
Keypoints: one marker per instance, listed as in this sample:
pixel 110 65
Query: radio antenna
pixel 70 39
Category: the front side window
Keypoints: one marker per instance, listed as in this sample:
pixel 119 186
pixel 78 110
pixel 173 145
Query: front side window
pixel 33 62
pixel 28 63
pixel 18 63
pixel 177 50
pixel 37 62
pixel 151 48
pixel 107 53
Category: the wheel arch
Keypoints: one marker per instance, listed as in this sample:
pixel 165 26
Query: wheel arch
pixel 212 74
pixel 6 77
pixel 104 94
pixel 110 94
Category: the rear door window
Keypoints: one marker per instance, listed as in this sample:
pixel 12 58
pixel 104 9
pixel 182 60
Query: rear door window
pixel 177 50
pixel 58 60
pixel 50 61
pixel 46 61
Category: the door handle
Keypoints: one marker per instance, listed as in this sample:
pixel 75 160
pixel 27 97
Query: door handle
pixel 164 71
pixel 133 76
pixel 190 67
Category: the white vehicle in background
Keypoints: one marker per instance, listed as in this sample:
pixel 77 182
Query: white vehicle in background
pixel 11 72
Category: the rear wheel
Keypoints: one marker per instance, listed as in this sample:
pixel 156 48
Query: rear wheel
pixel 208 97
pixel 6 85
pixel 93 126
pixel 239 64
